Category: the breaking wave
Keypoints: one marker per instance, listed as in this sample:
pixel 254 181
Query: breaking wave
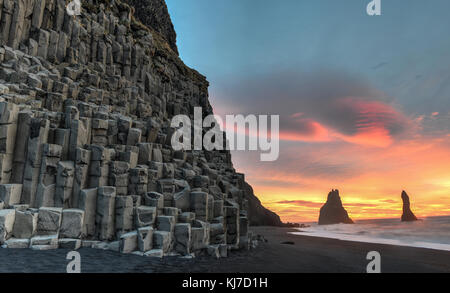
pixel 431 233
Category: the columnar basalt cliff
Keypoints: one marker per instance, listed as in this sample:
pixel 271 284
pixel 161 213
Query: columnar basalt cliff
pixel 333 212
pixel 85 146
pixel 154 14
pixel 408 215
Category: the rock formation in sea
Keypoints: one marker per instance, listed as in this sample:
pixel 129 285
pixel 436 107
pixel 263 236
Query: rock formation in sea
pixel 408 215
pixel 332 212
pixel 85 139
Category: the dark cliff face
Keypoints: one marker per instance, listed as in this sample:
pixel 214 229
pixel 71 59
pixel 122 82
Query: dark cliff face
pixel 258 215
pixel 86 105
pixel 154 14
pixel 108 82
pixel 408 215
pixel 333 212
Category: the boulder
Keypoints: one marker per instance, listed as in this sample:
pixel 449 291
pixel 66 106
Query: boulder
pixel 44 242
pixel 114 246
pixel 186 218
pixel 162 240
pixel 170 211
pixel 223 250
pixel 89 243
pixel 49 221
pixel 145 238
pixel 145 216
pixel 129 242
pixel 154 199
pixel 165 223
pixel 68 243
pixel 25 224
pixel 7 218
pixel 157 253
pixel 72 224
pixel 182 234
pixel 15 243
pixel 213 251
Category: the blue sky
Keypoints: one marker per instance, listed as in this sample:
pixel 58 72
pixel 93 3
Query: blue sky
pixel 233 40
pixel 363 100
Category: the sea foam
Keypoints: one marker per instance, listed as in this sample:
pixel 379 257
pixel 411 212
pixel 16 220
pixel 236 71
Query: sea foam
pixel 431 233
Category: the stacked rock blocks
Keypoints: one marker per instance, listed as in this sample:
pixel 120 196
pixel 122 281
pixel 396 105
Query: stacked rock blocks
pixel 85 154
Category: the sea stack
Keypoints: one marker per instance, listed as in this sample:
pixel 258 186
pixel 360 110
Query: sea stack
pixel 333 212
pixel 408 215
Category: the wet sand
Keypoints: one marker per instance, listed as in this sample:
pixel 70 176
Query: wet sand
pixel 322 255
pixel 306 255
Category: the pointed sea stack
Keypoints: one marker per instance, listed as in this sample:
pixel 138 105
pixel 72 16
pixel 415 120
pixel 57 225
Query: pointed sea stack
pixel 408 215
pixel 333 212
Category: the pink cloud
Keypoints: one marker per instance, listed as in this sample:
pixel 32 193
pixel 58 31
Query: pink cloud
pixel 371 123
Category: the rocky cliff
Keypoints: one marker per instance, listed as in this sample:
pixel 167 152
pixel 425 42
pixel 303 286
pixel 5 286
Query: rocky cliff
pixel 154 14
pixel 333 212
pixel 85 137
pixel 258 215
pixel 408 215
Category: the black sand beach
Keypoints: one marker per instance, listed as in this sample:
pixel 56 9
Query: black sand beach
pixel 322 255
pixel 306 255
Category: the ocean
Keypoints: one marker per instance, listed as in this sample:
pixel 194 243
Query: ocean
pixel 431 232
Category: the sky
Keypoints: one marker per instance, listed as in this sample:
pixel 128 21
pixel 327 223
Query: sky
pixel 364 101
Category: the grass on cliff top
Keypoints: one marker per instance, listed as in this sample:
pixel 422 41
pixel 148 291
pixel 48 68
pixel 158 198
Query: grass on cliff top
pixel 162 46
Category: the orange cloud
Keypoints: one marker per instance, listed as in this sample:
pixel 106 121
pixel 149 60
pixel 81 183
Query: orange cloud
pixel 316 133
pixel 367 149
pixel 374 136
pixel 370 190
pixel 374 124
